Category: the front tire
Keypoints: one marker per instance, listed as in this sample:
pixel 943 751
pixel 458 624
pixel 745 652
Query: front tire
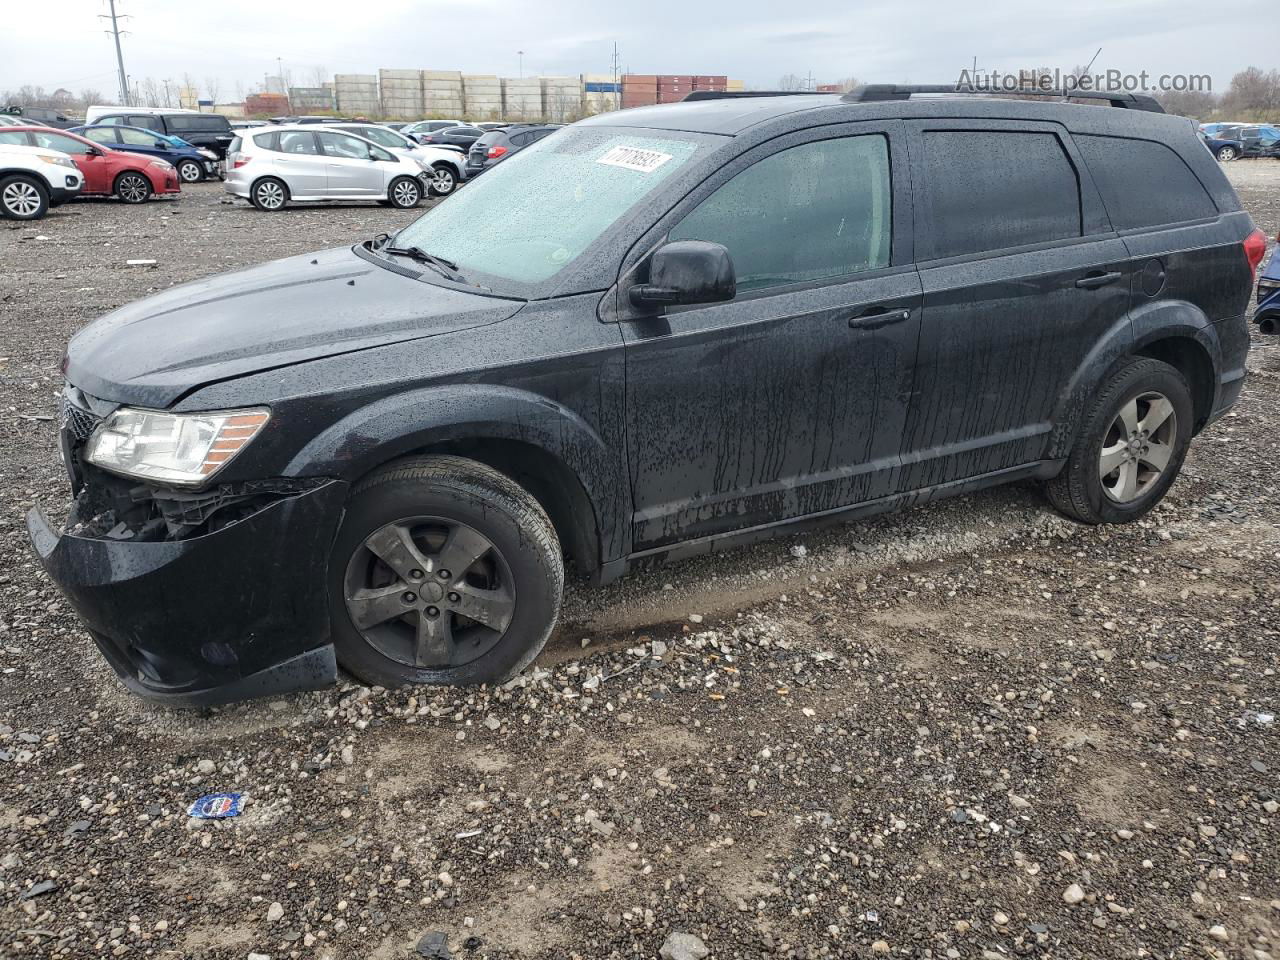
pixel 444 571
pixel 131 187
pixel 23 198
pixel 1226 154
pixel 442 180
pixel 405 193
pixel 269 194
pixel 1132 441
pixel 189 171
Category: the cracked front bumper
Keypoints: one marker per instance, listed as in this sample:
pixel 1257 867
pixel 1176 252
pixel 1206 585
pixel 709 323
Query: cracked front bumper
pixel 240 612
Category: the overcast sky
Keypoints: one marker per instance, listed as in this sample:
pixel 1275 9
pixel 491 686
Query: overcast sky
pixel 60 43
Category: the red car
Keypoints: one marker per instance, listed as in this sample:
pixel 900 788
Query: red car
pixel 107 172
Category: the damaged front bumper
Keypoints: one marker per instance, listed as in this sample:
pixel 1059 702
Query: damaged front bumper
pixel 215 609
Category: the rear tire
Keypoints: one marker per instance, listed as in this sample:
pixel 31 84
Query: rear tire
pixel 132 187
pixel 1130 447
pixel 405 193
pixel 269 194
pixel 189 171
pixel 23 197
pixel 412 603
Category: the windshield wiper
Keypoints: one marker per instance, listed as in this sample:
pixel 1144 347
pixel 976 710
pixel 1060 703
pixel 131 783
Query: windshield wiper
pixel 446 268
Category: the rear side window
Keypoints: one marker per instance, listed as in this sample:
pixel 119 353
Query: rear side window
pixel 150 122
pixel 10 136
pixel 813 212
pixel 993 189
pixel 267 141
pixel 209 123
pixel 296 141
pixel 1144 183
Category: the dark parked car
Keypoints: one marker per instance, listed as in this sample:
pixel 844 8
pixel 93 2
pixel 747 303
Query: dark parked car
pixel 496 145
pixel 1258 141
pixel 192 165
pixel 42 116
pixel 1224 147
pixel 461 137
pixel 209 130
pixel 1267 316
pixel 660 333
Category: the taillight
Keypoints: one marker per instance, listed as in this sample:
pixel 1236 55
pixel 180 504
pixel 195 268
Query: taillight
pixel 238 160
pixel 1255 246
pixel 495 152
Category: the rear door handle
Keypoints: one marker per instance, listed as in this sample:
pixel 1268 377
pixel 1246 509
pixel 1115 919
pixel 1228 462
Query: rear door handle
pixel 1092 281
pixel 873 318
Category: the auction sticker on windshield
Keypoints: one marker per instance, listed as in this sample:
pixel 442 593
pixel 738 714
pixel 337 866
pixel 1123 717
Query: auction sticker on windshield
pixel 634 158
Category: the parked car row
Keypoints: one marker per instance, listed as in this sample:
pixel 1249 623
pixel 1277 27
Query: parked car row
pixel 1233 141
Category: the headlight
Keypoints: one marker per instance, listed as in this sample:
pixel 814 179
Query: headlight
pixel 162 164
pixel 178 448
pixel 207 154
pixel 54 158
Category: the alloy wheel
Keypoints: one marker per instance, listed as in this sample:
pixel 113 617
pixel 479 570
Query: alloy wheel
pixel 1227 154
pixel 406 194
pixel 132 189
pixel 429 592
pixel 21 199
pixel 1137 447
pixel 442 181
pixel 270 195
pixel 189 172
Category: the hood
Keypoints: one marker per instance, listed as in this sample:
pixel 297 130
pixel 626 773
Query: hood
pixel 152 352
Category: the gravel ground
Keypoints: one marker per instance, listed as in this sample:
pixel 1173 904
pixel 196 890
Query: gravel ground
pixel 974 730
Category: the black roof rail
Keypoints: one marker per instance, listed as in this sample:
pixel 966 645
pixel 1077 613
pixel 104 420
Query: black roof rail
pixel 732 94
pixel 879 92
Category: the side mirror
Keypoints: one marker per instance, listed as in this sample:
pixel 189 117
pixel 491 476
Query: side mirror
pixel 413 137
pixel 161 145
pixel 686 271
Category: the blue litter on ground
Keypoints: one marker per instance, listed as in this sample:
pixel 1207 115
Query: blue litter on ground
pixel 216 806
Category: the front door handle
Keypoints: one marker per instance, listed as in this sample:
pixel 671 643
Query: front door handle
pixel 1093 281
pixel 873 318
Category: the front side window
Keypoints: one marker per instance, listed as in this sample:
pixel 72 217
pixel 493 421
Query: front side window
pixel 817 211
pixel 137 138
pixel 530 217
pixel 341 145
pixel 993 189
pixel 384 137
pixel 297 141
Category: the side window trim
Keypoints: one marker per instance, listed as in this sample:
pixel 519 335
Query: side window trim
pixel 1094 222
pixel 901 253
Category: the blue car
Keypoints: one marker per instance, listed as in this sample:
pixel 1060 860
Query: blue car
pixel 1267 316
pixel 1224 145
pixel 193 163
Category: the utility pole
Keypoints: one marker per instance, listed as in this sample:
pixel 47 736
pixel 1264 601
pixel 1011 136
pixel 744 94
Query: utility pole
pixel 520 54
pixel 280 74
pixel 166 94
pixel 617 97
pixel 122 78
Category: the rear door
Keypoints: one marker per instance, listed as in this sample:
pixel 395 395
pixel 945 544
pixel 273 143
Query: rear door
pixel 299 161
pixel 1022 276
pixel 349 168
pixel 790 399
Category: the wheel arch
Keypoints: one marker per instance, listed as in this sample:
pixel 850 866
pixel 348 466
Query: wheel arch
pixel 545 447
pixel 288 194
pixel 33 174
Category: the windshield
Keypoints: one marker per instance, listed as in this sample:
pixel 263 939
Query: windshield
pixel 528 218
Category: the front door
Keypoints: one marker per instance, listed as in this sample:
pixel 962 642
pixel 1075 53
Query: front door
pixel 97 175
pixel 790 399
pixel 350 169
pixel 1022 276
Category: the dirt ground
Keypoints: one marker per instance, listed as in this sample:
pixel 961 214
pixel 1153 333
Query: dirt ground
pixel 976 730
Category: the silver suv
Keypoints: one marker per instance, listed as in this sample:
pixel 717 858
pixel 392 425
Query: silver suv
pixel 310 162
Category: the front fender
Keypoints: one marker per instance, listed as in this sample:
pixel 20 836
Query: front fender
pixel 405 422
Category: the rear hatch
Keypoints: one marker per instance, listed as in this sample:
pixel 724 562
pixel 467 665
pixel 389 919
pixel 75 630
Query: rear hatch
pixel 480 150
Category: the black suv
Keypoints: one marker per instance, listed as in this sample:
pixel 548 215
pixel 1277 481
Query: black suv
pixel 209 130
pixel 497 145
pixel 662 332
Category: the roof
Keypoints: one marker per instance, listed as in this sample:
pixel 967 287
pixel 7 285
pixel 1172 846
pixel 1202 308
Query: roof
pixel 735 115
